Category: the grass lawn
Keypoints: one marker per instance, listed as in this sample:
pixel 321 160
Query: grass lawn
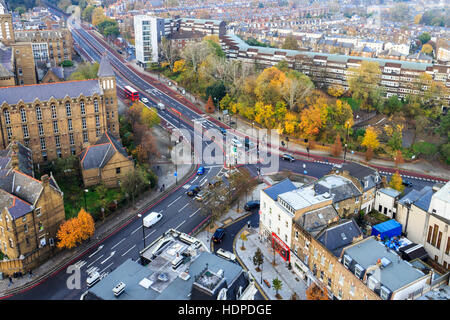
pixel 379 217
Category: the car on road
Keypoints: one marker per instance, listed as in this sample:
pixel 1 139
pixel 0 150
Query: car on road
pixel 218 235
pixel 201 170
pixel 288 157
pixel 236 142
pixel 407 183
pixel 151 219
pixel 232 123
pixel 223 131
pixel 251 205
pixel 214 183
pixel 193 190
pixel 93 278
pixel 227 255
pixel 201 196
pixel 161 106
pixel 144 100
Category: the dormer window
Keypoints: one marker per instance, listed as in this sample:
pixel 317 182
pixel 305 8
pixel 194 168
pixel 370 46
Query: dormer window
pixel 347 261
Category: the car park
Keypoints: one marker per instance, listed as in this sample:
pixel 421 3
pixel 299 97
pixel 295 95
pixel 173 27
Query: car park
pixel 251 205
pixel 288 157
pixel 193 190
pixel 218 235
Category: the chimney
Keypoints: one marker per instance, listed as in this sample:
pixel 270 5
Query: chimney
pixel 45 180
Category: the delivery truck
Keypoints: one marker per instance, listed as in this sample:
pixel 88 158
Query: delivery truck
pixel 151 219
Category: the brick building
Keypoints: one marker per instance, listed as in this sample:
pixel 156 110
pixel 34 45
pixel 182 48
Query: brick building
pixel 61 118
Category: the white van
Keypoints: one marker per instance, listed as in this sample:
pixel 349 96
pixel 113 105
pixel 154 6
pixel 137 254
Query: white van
pixel 161 106
pixel 118 289
pixel 152 218
pixel 226 255
pixel 93 279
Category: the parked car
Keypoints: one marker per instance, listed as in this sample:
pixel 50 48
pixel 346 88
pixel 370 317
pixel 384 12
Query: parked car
pixel 201 196
pixel 193 190
pixel 218 235
pixel 407 183
pixel 251 205
pixel 144 100
pixel 288 157
pixel 226 254
pixel 201 170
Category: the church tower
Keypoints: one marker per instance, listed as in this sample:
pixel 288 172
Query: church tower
pixel 107 81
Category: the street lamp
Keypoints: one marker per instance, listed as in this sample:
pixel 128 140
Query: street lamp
pixel 347 124
pixel 84 194
pixel 262 264
pixel 143 230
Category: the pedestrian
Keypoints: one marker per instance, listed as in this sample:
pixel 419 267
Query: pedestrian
pixel 164 187
pixel 31 272
pixel 10 281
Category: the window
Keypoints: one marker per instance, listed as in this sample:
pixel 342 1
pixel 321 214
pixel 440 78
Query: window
pixel 23 115
pixel 58 153
pixel 357 200
pixel 435 232
pixel 83 109
pixel 72 150
pixel 68 110
pixel 352 290
pixel 438 245
pixel 54 115
pixel 9 133
pixel 347 261
pixel 340 294
pixel 69 124
pixel 97 132
pixel 42 143
pixel 38 113
pixel 38 212
pixel 57 142
pixel 447 250
pixel 107 114
pixel 11 243
pixel 321 275
pixel 329 283
pixel 279 217
pixel 25 131
pixel 95 105
pixel 384 293
pixel 112 113
pixel 41 129
pixel 285 238
pixel 44 155
pixel 296 235
pixel 27 240
pixel 85 136
pixel 336 205
pixel 83 123
pixel 287 224
pixel 430 231
pixel 72 141
pixel 330 268
pixel 7 118
pixel 25 226
pixel 358 271
pixel 41 226
pixel 315 253
pixel 322 260
pixel 97 120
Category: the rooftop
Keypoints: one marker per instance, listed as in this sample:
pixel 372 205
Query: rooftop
pixel 303 197
pixel 390 192
pixel 283 186
pixel 339 187
pixel 420 198
pixel 316 220
pixel 336 237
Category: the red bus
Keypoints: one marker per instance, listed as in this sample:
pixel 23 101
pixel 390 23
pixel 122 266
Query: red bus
pixel 131 93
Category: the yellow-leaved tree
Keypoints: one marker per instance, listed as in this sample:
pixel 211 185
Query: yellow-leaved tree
pixel 370 141
pixel 86 223
pixel 179 66
pixel 313 118
pixel 98 16
pixel 397 182
pixel 75 230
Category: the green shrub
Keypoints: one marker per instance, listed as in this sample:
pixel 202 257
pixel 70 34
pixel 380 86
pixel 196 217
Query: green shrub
pixel 66 63
pixel 425 148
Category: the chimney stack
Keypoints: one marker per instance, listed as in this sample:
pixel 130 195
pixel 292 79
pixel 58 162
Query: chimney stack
pixel 45 180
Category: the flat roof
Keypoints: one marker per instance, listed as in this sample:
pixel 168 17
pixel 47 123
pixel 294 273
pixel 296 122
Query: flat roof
pixel 303 197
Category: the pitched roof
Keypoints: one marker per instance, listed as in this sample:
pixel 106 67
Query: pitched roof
pixel 105 69
pixel 341 188
pixel 281 187
pixel 336 237
pixel 45 91
pixel 420 198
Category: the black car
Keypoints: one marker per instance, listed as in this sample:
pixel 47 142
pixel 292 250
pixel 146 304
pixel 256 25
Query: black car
pixel 193 190
pixel 251 205
pixel 223 131
pixel 288 157
pixel 218 235
pixel 407 184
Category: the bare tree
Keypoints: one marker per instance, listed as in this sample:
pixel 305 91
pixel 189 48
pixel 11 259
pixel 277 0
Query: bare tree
pixel 169 52
pixel 196 53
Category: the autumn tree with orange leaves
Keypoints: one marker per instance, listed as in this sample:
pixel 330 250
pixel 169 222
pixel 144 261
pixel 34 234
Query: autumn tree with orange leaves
pixel 316 293
pixel 75 230
pixel 313 118
pixel 336 149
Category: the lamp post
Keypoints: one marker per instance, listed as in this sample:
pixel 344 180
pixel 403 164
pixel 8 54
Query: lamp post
pixel 84 194
pixel 143 230
pixel 262 265
pixel 347 124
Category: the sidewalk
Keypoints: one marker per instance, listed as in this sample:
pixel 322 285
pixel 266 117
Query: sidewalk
pixel 290 281
pixel 102 231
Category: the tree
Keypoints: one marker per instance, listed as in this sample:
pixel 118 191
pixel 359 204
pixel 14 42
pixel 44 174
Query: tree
pixel 150 117
pixel 169 51
pixel 399 158
pixel 424 37
pixel 363 83
pixel 269 84
pixel 87 13
pixel 315 293
pixel 217 91
pixel 395 141
pixel 209 106
pixel 290 42
pixel 134 182
pixel 195 53
pixel 396 182
pixel 370 139
pixel 243 237
pixel 336 150
pixel 97 16
pixel 313 119
pixel 102 191
pixel 87 224
pixel 336 90
pixel 295 88
pixel 85 71
pixel 427 49
pixel 417 18
pixel 258 259
pixel 75 230
pixel 277 285
pixel 179 66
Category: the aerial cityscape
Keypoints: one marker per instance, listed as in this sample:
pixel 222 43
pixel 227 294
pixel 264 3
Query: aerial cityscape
pixel 263 150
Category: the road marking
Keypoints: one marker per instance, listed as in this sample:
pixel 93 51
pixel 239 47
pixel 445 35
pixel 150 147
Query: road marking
pixel 136 230
pixel 180 225
pixel 184 207
pixel 91 270
pixel 174 201
pixel 128 250
pixel 109 265
pixel 79 264
pixel 110 256
pixel 118 243
pixel 149 234
pixel 194 213
pixel 94 261
pixel 203 183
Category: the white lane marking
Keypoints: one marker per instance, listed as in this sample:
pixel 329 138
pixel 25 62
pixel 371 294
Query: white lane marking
pixel 94 261
pixel 194 213
pixel 149 234
pixel 174 201
pixel 128 250
pixel 203 183
pixel 183 207
pixel 136 230
pixel 118 243
pixel 79 264
pixel 109 265
pixel 110 256
pixel 180 225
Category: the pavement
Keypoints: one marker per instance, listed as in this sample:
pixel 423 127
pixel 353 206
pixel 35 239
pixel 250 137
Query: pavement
pixel 102 230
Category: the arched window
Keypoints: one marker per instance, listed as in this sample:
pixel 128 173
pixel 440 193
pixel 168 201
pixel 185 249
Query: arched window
pixel 96 105
pixel 7 118
pixel 38 113
pixel 23 115
pixel 68 110
pixel 83 110
pixel 54 115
